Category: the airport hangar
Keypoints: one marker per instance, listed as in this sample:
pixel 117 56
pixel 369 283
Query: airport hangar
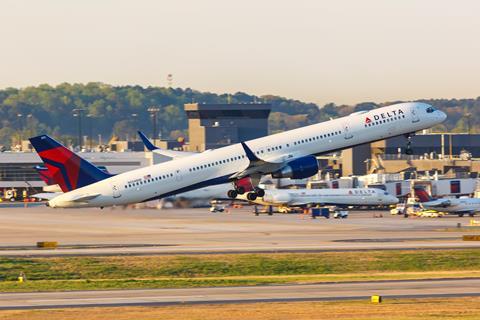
pixel 210 126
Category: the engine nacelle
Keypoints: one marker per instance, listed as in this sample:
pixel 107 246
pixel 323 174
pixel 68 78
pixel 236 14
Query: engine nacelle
pixel 300 168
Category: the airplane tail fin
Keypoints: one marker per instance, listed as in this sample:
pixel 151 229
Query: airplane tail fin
pixel 148 144
pixel 422 194
pixel 67 169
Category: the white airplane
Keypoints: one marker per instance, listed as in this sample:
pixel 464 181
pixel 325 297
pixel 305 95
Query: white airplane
pixel 338 197
pixel 289 154
pixel 459 206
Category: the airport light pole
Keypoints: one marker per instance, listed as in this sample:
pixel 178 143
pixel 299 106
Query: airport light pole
pixel 23 124
pixel 90 129
pixel 77 112
pixel 19 115
pixel 134 122
pixel 154 114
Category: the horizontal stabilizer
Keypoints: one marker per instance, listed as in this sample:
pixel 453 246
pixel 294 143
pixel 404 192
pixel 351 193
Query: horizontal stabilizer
pixel 84 197
pixel 46 195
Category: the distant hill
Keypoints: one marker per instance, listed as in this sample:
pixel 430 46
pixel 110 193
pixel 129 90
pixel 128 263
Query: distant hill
pixel 121 110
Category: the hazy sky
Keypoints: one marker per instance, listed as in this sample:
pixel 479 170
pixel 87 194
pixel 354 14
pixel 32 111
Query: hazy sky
pixel 312 50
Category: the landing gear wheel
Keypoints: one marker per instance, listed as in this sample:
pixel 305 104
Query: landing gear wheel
pixel 232 194
pixel 460 215
pixel 260 192
pixel 471 214
pixel 240 190
pixel 252 196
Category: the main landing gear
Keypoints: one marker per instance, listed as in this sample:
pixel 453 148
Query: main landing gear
pixel 243 186
pixel 251 195
pixel 232 194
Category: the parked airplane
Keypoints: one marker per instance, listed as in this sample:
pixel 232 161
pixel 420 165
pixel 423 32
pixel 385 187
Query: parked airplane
pixel 458 206
pixel 289 154
pixel 338 197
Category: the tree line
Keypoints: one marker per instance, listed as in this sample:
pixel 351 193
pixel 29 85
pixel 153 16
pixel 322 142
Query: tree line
pixel 122 110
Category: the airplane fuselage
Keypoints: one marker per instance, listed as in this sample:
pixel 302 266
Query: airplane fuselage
pixel 218 166
pixel 339 197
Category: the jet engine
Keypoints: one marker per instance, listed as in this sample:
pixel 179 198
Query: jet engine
pixel 300 168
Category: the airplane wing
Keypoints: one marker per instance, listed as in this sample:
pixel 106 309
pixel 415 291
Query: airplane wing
pixel 261 166
pixel 167 153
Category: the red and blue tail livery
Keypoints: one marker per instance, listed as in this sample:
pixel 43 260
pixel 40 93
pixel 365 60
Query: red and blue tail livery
pixel 45 175
pixel 422 194
pixel 67 169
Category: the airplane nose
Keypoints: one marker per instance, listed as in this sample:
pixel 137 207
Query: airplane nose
pixel 442 115
pixel 393 200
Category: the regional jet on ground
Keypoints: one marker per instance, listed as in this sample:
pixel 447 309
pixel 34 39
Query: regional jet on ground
pixel 289 154
pixel 458 206
pixel 337 197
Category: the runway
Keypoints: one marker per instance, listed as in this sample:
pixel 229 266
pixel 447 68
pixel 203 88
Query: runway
pixel 274 293
pixel 148 250
pixel 194 231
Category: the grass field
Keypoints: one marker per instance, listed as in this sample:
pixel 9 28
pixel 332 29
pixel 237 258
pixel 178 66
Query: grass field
pixel 81 273
pixel 405 309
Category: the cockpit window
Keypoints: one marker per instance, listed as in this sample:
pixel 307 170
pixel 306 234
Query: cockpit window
pixel 430 109
pixel 385 193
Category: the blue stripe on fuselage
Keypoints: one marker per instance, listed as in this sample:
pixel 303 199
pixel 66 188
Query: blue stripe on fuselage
pixel 211 182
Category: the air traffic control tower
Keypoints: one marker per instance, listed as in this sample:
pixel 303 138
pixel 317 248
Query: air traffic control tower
pixel 213 126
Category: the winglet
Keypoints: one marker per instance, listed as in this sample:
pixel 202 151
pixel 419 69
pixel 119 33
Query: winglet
pixel 147 142
pixel 250 155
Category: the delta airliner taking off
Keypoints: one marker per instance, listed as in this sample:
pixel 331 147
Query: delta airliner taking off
pixel 288 154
